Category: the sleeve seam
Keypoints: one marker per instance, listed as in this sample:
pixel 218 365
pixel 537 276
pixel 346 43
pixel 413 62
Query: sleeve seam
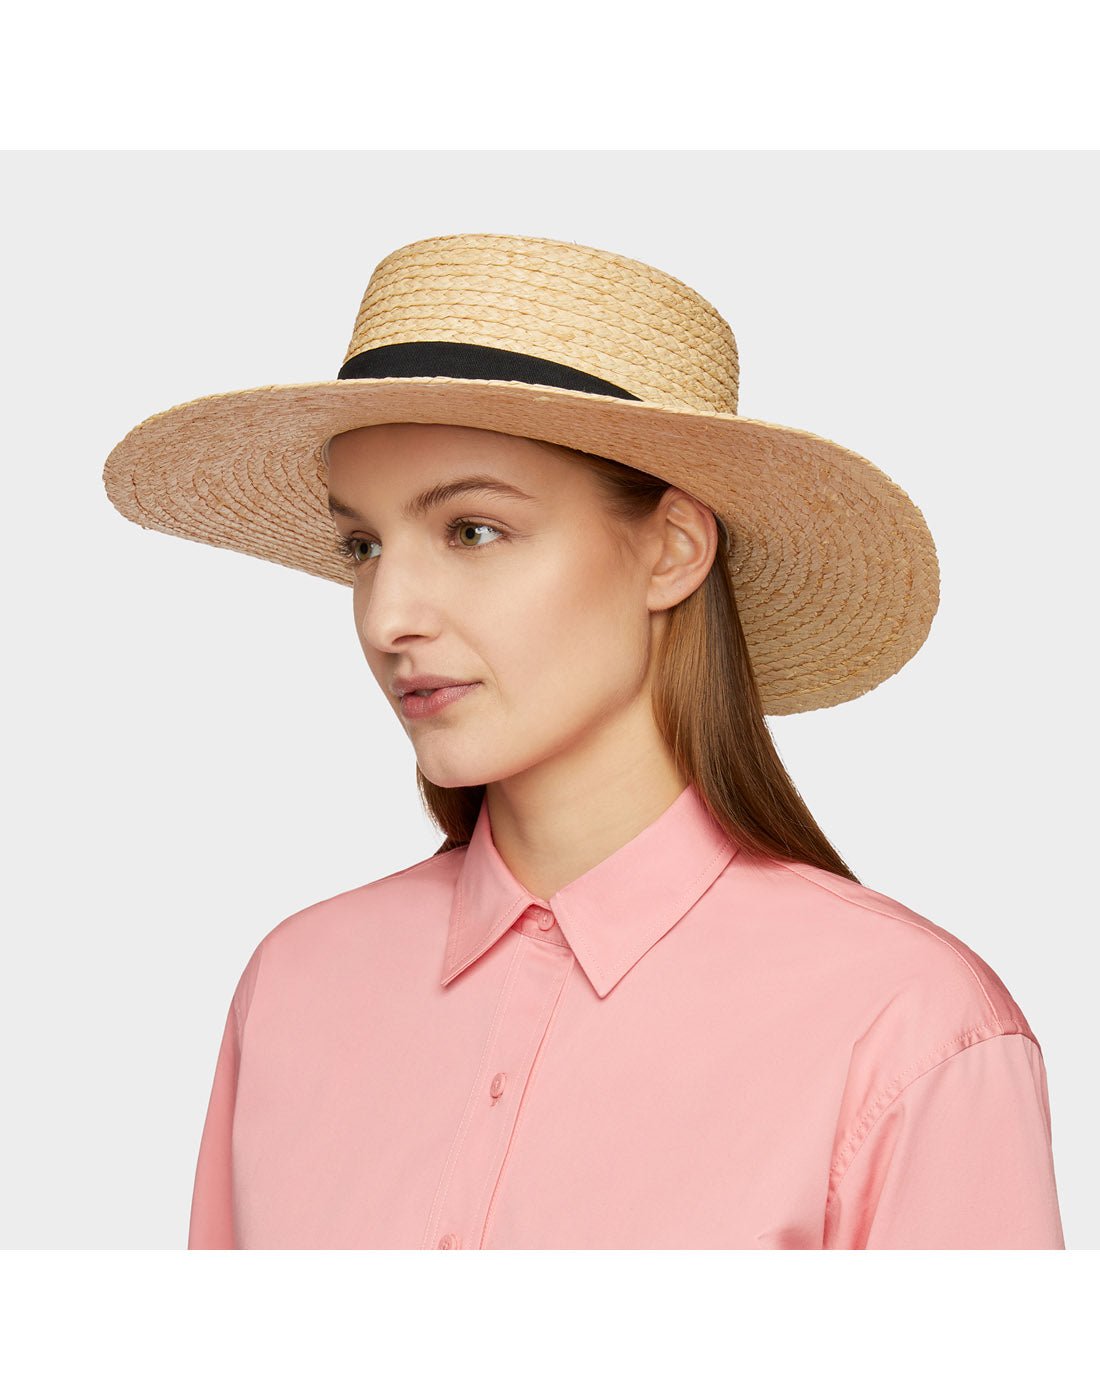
pixel 976 1035
pixel 255 985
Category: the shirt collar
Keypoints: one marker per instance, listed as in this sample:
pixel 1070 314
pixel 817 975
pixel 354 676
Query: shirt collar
pixel 612 914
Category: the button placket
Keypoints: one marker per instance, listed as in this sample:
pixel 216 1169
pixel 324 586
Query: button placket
pixel 532 985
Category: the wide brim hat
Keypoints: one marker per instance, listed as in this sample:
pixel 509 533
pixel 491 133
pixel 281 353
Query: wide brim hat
pixel 834 568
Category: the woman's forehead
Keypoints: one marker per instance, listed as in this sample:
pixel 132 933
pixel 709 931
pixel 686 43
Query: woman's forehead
pixel 397 452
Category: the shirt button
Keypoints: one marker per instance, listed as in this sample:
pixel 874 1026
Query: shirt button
pixel 546 919
pixel 448 1242
pixel 496 1088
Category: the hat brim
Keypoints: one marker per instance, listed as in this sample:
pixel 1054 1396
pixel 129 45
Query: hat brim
pixel 834 568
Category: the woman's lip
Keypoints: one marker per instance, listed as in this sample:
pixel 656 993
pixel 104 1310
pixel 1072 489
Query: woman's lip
pixel 444 685
pixel 415 706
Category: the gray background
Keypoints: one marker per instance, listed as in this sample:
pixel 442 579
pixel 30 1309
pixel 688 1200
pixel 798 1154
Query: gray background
pixel 195 747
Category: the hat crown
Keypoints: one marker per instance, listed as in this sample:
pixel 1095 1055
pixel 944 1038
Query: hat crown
pixel 603 314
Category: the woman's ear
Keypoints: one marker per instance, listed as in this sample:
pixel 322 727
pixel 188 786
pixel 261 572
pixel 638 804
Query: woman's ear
pixel 687 539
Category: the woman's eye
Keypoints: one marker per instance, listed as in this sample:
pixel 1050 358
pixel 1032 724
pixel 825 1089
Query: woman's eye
pixel 348 548
pixel 472 525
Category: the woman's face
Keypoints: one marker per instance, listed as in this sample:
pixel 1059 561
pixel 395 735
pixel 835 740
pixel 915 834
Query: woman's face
pixel 530 596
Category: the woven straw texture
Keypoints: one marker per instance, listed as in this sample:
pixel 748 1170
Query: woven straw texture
pixel 834 567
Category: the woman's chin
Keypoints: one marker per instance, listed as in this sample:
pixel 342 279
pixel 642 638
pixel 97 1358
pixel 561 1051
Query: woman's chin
pixel 452 770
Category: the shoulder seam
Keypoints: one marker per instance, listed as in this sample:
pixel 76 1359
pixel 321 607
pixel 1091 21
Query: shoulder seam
pixel 415 866
pixel 258 953
pixel 909 923
pixel 976 1035
pixel 358 889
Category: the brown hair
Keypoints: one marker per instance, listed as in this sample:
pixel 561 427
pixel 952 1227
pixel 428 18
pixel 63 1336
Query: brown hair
pixel 706 705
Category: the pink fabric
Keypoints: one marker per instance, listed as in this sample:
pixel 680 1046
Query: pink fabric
pixel 685 1048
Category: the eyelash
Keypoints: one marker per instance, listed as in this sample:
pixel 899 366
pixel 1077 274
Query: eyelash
pixel 345 545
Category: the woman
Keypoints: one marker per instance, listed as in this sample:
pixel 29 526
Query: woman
pixel 635 999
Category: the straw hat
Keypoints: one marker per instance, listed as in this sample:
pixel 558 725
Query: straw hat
pixel 834 568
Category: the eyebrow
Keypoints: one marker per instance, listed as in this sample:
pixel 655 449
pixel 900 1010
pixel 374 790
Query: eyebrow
pixel 438 495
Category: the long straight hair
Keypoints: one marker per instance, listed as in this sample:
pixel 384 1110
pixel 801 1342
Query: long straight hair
pixel 705 702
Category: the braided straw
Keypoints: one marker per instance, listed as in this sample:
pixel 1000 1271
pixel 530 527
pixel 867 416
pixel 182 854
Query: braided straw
pixel 833 566
pixel 608 315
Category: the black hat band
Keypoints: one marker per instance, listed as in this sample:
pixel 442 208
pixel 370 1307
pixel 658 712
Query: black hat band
pixel 456 360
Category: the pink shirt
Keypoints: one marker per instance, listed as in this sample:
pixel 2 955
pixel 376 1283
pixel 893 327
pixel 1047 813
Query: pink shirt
pixel 685 1048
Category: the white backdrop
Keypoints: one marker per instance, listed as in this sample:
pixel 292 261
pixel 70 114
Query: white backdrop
pixel 195 745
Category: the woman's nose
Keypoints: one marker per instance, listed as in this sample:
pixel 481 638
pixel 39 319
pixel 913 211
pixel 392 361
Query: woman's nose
pixel 401 599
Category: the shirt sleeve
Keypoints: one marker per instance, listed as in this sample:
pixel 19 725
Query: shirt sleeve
pixel 212 1204
pixel 961 1158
